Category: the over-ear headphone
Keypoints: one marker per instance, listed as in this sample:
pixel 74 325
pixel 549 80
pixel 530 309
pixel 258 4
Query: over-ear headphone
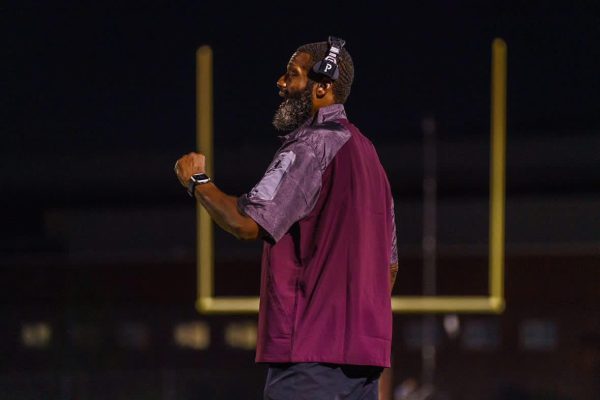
pixel 327 67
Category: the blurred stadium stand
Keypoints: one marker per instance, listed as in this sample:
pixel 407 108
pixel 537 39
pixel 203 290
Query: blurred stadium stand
pixel 98 288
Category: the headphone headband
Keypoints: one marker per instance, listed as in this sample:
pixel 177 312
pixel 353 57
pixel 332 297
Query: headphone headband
pixel 328 66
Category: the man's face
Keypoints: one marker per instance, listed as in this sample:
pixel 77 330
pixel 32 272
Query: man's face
pixel 296 89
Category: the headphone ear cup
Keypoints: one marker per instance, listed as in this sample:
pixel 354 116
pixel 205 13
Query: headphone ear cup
pixel 327 67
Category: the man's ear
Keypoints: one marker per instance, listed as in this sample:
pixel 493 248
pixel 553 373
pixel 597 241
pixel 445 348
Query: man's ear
pixel 322 88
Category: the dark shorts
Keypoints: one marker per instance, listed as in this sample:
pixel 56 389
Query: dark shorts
pixel 317 381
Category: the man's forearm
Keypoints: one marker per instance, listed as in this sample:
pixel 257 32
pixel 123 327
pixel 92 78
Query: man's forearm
pixel 393 272
pixel 223 210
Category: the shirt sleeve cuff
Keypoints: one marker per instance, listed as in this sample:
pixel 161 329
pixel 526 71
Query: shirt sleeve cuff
pixel 249 209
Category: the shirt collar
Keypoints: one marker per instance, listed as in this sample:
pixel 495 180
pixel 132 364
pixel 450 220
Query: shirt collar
pixel 330 113
pixel 324 114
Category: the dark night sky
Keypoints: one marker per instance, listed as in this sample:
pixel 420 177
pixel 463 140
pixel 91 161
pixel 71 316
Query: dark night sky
pixel 95 78
pixel 85 81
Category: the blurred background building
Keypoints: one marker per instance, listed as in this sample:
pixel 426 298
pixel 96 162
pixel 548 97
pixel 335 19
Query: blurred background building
pixel 97 238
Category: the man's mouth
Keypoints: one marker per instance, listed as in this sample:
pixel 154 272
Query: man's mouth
pixel 282 94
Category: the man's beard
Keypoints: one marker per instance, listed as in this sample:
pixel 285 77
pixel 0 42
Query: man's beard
pixel 293 111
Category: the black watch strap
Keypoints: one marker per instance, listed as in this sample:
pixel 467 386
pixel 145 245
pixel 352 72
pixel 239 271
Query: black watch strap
pixel 197 179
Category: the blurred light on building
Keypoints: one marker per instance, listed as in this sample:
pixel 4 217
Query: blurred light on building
pixel 481 335
pixel 133 335
pixel 241 335
pixel 538 335
pixel 194 335
pixel 452 325
pixel 36 335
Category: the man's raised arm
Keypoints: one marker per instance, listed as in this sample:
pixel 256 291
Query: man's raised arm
pixel 220 206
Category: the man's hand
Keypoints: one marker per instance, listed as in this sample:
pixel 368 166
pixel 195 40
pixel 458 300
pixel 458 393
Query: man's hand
pixel 188 165
pixel 221 207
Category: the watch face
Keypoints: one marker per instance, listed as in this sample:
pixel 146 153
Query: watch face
pixel 200 177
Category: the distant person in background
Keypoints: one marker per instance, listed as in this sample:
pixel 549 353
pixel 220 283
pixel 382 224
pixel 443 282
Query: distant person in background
pixel 325 213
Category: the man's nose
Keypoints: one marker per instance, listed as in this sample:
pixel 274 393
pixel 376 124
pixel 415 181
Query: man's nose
pixel 281 83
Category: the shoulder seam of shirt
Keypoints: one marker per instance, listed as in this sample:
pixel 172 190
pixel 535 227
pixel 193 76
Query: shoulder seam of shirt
pixel 305 139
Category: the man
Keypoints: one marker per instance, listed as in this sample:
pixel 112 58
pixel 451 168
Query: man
pixel 324 211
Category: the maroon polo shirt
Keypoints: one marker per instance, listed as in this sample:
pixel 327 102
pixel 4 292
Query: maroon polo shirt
pixel 326 206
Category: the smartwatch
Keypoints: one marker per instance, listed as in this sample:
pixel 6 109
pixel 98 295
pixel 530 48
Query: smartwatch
pixel 196 179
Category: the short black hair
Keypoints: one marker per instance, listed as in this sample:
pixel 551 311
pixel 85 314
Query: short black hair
pixel 342 86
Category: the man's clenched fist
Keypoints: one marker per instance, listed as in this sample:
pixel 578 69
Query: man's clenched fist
pixel 188 165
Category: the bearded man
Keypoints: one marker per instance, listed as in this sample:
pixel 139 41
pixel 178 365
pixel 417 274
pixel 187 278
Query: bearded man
pixel 324 211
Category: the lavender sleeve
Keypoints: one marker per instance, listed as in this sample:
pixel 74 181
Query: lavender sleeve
pixel 394 252
pixel 287 192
